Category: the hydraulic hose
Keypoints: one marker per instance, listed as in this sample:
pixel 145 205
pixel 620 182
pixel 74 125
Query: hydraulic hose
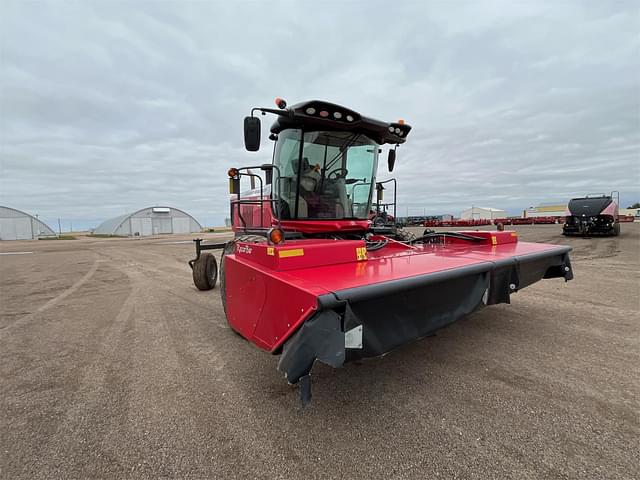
pixel 459 236
pixel 376 245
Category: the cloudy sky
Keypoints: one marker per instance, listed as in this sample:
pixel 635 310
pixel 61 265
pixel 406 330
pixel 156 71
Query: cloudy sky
pixel 107 107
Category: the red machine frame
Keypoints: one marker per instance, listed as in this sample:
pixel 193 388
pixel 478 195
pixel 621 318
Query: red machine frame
pixel 343 289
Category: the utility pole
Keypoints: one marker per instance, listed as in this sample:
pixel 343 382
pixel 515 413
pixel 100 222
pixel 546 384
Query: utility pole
pixel 59 228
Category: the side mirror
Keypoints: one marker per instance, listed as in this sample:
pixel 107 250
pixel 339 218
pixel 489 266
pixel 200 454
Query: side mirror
pixel 252 133
pixel 392 159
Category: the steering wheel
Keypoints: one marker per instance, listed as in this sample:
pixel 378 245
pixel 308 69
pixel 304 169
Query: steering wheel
pixel 338 173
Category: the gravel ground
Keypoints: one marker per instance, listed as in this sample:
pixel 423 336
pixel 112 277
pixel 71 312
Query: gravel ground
pixel 114 366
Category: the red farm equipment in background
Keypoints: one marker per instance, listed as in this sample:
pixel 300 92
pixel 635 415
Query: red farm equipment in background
pixel 457 222
pixel 312 276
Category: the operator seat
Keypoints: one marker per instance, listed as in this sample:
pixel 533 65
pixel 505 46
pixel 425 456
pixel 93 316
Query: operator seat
pixel 309 181
pixel 343 200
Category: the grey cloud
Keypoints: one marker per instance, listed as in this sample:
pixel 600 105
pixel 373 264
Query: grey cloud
pixel 107 107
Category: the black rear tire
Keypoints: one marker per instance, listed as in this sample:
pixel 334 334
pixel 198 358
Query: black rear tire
pixel 205 272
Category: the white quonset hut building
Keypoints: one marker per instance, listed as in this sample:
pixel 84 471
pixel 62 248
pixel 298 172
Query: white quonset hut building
pixel 149 221
pixel 17 225
pixel 482 213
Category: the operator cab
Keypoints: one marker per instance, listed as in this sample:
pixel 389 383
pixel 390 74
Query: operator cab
pixel 325 174
pixel 325 159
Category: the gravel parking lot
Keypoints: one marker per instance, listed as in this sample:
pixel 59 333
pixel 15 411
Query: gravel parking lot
pixel 114 366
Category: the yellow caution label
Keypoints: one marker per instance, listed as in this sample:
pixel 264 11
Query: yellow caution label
pixel 514 234
pixel 270 251
pixel 361 253
pixel 494 240
pixel 293 252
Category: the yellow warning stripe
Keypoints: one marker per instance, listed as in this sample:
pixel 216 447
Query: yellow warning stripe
pixel 293 252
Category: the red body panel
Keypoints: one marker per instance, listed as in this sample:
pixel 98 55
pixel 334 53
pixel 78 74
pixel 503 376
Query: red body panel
pixel 296 254
pixel 265 319
pixel 320 226
pixel 318 267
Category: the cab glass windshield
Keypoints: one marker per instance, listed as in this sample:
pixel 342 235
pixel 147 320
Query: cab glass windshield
pixel 331 177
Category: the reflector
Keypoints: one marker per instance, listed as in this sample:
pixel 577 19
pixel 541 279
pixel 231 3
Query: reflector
pixel 276 236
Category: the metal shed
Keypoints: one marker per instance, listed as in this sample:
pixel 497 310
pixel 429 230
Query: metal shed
pixel 150 221
pixel 18 225
pixel 482 213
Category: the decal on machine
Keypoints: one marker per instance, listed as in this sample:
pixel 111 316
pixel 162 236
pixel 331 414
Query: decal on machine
pixel 293 252
pixel 361 253
pixel 244 249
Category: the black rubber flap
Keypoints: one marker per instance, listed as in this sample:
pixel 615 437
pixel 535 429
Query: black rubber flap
pixel 398 318
pixel 319 338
